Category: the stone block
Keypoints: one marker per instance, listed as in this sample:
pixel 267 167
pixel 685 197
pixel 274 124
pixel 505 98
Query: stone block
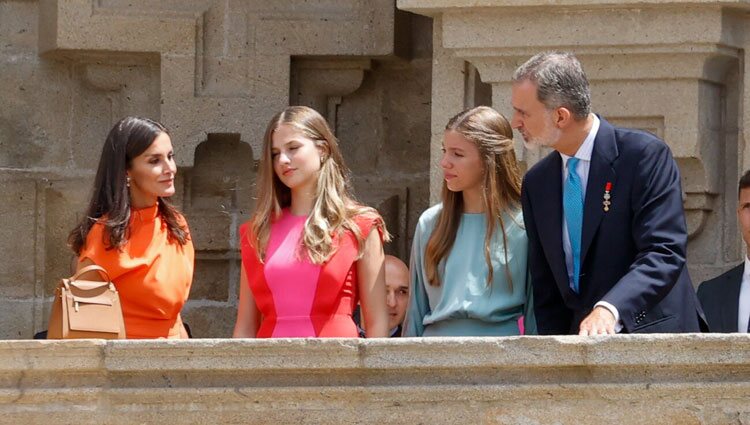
pixel 18 26
pixel 211 280
pixel 105 94
pixel 209 321
pixel 391 204
pixel 181 181
pixel 18 202
pixel 398 131
pixel 212 231
pixel 35 113
pixel 65 204
pixel 223 166
pixel 17 320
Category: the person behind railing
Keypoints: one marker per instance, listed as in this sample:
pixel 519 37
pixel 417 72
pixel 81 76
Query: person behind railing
pixel 726 298
pixel 309 250
pixel 133 232
pixel 469 256
pixel 603 213
pixel 396 296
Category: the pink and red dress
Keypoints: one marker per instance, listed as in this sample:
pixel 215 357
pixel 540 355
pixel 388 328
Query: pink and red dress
pixel 295 297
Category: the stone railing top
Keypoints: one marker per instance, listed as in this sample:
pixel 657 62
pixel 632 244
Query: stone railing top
pixel 676 379
pixel 433 7
pixel 689 351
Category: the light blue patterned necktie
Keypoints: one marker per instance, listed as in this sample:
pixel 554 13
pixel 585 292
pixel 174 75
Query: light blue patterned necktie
pixel 573 210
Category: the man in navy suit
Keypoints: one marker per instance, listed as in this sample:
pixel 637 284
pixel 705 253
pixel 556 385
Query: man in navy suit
pixel 603 213
pixel 726 298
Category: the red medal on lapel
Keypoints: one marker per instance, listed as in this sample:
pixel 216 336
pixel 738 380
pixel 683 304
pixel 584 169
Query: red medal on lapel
pixel 607 196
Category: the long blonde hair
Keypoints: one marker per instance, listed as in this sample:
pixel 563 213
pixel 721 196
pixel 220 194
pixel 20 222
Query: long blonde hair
pixel 335 208
pixel 493 136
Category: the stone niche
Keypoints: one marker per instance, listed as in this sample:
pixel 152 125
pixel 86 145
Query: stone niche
pixel 628 379
pixel 218 195
pixel 675 68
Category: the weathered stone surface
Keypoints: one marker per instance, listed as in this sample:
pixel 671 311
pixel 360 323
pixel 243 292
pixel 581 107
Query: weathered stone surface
pixel 17 320
pixel 211 280
pixel 35 112
pixel 212 232
pixel 210 321
pixel 222 175
pixel 691 379
pixel 18 236
pixel 221 72
pixel 65 204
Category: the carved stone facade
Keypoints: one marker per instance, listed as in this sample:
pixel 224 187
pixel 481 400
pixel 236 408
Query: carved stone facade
pixel 388 79
pixel 214 71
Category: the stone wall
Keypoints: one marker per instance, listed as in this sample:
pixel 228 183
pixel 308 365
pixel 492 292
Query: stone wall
pixel 214 71
pixel 622 379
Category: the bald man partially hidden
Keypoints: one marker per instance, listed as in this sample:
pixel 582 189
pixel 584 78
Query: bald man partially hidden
pixel 397 295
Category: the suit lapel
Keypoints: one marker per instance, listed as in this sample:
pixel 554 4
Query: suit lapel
pixel 601 172
pixel 730 314
pixel 549 223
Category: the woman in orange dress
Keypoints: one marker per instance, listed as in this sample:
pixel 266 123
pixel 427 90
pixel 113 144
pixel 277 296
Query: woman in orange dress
pixel 135 234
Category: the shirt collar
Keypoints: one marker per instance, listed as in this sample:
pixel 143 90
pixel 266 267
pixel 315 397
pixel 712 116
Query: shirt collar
pixel 746 272
pixel 587 147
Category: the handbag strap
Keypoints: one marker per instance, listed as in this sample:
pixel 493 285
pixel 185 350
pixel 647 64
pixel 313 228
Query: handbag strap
pixel 91 268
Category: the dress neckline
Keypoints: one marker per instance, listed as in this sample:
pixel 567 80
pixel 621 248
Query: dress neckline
pixel 287 212
pixel 144 215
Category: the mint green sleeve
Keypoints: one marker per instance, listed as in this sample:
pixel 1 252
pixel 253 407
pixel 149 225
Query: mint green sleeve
pixel 419 305
pixel 529 318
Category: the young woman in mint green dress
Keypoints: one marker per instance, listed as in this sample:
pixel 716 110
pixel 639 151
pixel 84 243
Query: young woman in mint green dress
pixel 468 266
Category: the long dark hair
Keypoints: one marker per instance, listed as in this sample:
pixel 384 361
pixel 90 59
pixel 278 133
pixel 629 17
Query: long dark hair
pixel 110 200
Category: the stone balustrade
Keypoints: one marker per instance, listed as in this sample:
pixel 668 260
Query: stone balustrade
pixel 642 379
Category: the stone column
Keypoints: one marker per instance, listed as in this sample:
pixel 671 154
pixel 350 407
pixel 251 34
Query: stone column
pixel 674 68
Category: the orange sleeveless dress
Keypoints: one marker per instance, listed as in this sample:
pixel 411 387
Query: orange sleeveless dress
pixel 152 274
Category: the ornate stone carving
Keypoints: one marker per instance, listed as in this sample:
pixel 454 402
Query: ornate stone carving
pixel 224 65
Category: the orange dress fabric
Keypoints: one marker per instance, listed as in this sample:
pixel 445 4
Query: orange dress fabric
pixel 151 273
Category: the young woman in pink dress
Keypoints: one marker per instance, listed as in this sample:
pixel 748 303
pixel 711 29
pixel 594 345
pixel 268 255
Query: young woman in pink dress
pixel 310 251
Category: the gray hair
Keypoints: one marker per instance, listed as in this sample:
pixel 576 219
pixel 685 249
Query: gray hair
pixel 560 81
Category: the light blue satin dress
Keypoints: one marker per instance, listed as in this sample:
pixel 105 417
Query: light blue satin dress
pixel 464 304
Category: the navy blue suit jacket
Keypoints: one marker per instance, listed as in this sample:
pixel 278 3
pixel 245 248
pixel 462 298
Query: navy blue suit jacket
pixel 720 299
pixel 632 256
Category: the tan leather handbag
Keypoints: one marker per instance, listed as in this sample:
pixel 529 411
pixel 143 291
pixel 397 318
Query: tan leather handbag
pixel 86 309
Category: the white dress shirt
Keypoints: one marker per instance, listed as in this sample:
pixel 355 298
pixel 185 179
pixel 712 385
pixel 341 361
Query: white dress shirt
pixel 743 309
pixel 584 165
